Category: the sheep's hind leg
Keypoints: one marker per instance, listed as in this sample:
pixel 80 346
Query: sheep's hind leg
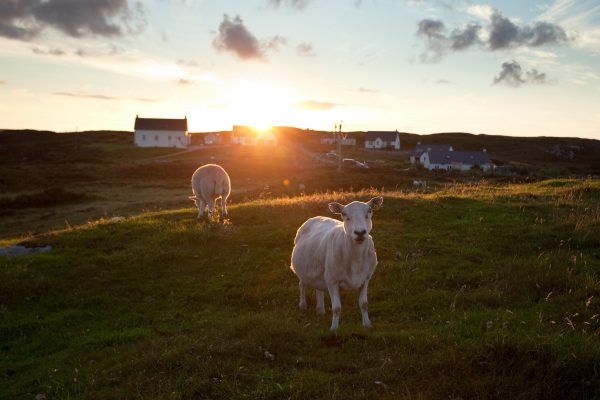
pixel 320 295
pixel 302 304
pixel 201 207
pixel 224 207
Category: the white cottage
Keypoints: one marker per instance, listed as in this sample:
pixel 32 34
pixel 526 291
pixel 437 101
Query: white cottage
pixel 421 148
pixel 382 140
pixel 249 136
pixel 161 132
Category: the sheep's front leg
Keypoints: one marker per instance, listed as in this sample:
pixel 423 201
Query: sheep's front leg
pixel 320 295
pixel 302 304
pixel 336 305
pixel 363 304
pixel 201 207
pixel 211 207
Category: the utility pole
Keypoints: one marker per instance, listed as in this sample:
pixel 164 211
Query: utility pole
pixel 339 146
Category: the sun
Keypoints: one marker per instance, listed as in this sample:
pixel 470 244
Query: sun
pixel 259 105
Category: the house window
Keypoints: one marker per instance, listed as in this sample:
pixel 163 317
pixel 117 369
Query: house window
pixel 143 137
pixel 169 138
pixel 156 138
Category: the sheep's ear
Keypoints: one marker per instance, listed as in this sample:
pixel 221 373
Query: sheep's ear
pixel 375 202
pixel 336 208
pixel 192 198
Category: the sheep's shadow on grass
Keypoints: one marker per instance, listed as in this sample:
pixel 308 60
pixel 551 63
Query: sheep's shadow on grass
pixel 338 339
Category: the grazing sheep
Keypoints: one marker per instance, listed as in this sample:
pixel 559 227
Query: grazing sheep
pixel 210 182
pixel 332 255
pixel 419 184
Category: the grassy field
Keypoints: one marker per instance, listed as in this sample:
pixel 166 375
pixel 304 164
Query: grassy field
pixel 482 291
pixel 51 181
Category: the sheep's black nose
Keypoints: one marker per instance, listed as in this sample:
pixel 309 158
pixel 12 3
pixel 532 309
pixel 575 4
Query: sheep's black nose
pixel 360 233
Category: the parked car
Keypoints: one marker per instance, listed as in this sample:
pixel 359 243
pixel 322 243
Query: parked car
pixel 331 156
pixel 352 163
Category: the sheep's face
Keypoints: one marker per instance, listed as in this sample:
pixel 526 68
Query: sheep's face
pixel 357 217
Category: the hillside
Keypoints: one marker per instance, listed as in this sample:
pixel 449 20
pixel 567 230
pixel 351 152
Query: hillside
pixel 482 291
pixel 556 155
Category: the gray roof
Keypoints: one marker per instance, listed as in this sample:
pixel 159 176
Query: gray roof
pixel 386 136
pixel 464 157
pixel 161 124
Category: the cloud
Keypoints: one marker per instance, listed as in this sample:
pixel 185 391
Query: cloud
pixel 305 49
pixel 110 49
pixel 482 11
pixel 462 39
pixel 535 77
pixel 505 34
pixel 53 51
pixel 26 19
pixel 442 82
pixel 2 83
pixel 81 95
pixel 367 90
pixel 295 4
pixel 512 75
pixel 274 43
pixel 182 81
pixel 502 33
pixel 187 63
pixel 580 17
pixel 234 37
pixel 313 105
pixel 433 31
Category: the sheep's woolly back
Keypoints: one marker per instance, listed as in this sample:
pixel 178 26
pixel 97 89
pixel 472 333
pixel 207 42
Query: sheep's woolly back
pixel 210 181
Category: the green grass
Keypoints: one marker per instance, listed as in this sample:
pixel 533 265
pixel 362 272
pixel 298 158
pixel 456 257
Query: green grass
pixel 482 291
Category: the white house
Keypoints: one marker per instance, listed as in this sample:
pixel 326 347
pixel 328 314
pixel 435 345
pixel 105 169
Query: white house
pixel 422 148
pixel 161 132
pixel 248 136
pixel 333 139
pixel 382 140
pixel 456 160
pixel 212 138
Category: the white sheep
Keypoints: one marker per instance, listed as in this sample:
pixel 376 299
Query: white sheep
pixel 419 184
pixel 331 255
pixel 209 183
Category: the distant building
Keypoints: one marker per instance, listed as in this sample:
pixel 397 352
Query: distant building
pixel 249 136
pixel 211 138
pixel 161 132
pixel 330 138
pixel 456 160
pixel 382 140
pixel 422 148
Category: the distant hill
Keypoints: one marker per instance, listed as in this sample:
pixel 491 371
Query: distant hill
pixel 575 154
pixel 561 155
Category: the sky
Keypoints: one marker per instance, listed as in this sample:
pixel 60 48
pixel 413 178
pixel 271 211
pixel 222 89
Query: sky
pixel 511 67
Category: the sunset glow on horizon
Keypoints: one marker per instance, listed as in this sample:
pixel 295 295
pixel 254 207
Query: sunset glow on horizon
pixel 494 67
